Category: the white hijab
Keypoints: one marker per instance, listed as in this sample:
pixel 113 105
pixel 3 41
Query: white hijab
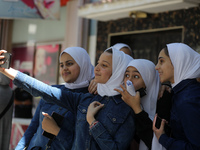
pixel 185 60
pixel 119 46
pixel 82 58
pixel 119 62
pixel 151 79
pixel 186 64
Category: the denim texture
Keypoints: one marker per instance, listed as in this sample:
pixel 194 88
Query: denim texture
pixel 33 134
pixel 116 126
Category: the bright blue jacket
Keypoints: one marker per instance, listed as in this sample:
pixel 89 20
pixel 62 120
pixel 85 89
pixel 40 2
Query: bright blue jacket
pixel 185 117
pixel 115 128
pixel 33 135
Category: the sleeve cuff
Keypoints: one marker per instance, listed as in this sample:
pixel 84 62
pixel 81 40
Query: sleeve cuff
pixel 164 140
pixel 97 130
pixel 142 114
pixel 60 135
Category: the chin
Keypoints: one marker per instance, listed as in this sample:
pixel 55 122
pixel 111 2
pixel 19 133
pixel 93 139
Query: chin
pixel 96 80
pixel 161 80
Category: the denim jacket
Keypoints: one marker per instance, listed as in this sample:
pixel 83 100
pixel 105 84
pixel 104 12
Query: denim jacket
pixel 115 128
pixel 33 136
pixel 185 117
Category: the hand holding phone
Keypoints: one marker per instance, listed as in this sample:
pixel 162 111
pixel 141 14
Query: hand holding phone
pixel 58 119
pixel 7 60
pixel 158 122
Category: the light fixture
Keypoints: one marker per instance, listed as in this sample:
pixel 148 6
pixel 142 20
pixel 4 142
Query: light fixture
pixel 32 28
pixel 137 14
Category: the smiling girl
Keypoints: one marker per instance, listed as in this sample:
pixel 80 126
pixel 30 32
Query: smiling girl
pixel 180 65
pixel 77 71
pixel 108 123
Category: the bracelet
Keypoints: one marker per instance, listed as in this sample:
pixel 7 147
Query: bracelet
pixel 93 123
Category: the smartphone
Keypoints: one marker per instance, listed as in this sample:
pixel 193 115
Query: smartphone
pixel 48 135
pixel 158 122
pixel 58 119
pixel 142 92
pixel 7 60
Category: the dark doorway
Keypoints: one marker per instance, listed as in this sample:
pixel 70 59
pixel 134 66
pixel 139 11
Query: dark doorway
pixel 147 45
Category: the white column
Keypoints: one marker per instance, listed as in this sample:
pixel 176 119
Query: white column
pixel 73 25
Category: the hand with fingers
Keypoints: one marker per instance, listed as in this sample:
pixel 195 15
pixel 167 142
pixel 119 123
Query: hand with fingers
pixel 50 125
pixel 93 108
pixel 163 88
pixel 1 59
pixel 92 87
pixel 132 101
pixel 160 131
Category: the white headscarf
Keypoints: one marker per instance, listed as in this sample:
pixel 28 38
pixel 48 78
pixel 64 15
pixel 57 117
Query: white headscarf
pixel 119 62
pixel 151 79
pixel 119 46
pixel 82 58
pixel 186 64
pixel 185 60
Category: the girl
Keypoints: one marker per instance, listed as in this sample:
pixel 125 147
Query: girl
pixel 145 79
pixel 124 47
pixel 76 70
pixel 113 126
pixel 180 65
pixel 119 46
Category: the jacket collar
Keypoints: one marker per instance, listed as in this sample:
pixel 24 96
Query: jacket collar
pixel 182 85
pixel 117 98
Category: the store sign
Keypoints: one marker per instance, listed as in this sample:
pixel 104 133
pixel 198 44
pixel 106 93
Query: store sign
pixel 63 2
pixel 11 0
pixel 39 9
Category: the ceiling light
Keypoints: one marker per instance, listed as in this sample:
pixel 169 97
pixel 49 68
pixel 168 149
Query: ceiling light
pixel 137 14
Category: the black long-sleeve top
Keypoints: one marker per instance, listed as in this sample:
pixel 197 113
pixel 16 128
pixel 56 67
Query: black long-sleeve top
pixel 144 123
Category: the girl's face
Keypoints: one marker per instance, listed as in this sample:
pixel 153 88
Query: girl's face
pixel 69 69
pixel 103 69
pixel 134 76
pixel 165 68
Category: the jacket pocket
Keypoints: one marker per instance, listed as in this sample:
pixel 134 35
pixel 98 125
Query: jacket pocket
pixel 81 114
pixel 115 121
